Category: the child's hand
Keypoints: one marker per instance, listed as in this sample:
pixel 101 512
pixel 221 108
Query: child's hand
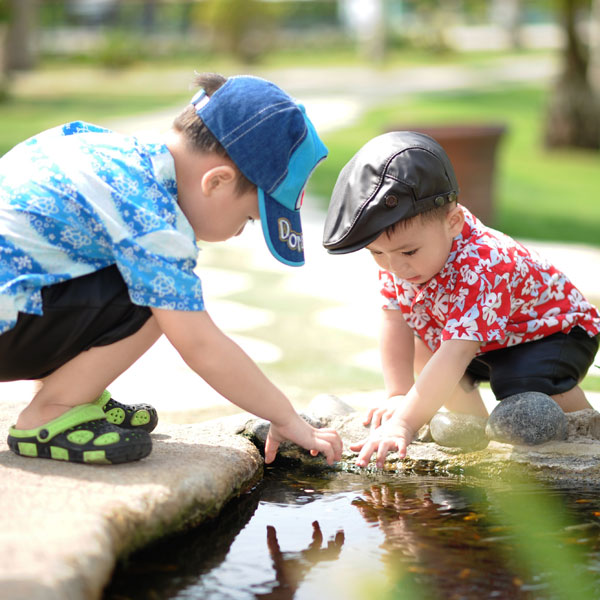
pixel 379 414
pixel 394 434
pixel 300 432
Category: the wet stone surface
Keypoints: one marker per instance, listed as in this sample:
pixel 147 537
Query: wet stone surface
pixel 572 460
pixel 457 430
pixel 532 418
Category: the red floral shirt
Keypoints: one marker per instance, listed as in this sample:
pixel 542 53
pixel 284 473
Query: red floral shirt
pixel 491 290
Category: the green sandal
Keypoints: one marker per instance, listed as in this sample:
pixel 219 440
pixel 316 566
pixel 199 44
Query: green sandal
pixel 81 435
pixel 129 416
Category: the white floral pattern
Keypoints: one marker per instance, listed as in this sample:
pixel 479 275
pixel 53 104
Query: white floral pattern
pixel 78 198
pixel 492 290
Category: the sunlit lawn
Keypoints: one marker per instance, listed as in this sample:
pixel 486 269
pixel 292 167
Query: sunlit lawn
pixel 57 95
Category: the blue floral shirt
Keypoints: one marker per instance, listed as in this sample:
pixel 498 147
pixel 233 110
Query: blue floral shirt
pixel 78 198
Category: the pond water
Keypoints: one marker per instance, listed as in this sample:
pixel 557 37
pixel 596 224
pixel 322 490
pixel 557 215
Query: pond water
pixel 352 536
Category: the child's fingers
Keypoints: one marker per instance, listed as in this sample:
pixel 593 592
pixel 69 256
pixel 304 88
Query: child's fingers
pixel 385 446
pixel 336 442
pixel 389 445
pixel 377 418
pixel 328 452
pixel 368 448
pixel 271 447
pixel 332 444
pixel 380 416
pixel 369 416
pixel 357 446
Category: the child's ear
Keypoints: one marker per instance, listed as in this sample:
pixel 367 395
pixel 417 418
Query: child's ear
pixel 455 220
pixel 216 178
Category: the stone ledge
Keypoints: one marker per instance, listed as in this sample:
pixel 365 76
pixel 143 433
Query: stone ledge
pixel 63 526
pixel 574 461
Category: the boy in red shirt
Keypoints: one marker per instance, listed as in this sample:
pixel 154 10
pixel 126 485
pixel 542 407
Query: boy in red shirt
pixel 464 303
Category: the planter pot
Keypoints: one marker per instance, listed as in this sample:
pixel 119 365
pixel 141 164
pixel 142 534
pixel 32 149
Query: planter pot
pixel 472 150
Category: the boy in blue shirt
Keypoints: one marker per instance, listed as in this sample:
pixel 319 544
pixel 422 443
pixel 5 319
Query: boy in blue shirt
pixel 97 252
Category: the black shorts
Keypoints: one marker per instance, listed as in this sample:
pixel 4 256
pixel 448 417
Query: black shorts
pixel 92 310
pixel 552 365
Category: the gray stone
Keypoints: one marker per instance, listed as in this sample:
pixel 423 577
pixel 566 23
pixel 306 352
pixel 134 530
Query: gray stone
pixel 457 430
pixel 256 431
pixel 63 526
pixel 424 434
pixel 583 424
pixel 530 418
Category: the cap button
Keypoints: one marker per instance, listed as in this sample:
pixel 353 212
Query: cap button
pixel 391 201
pixel 439 201
pixel 452 197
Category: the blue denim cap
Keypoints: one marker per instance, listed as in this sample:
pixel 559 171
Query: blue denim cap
pixel 273 143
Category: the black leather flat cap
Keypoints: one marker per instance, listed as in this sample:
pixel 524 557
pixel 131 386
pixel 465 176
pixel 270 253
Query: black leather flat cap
pixel 393 177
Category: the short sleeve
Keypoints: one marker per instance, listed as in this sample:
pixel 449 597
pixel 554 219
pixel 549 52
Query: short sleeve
pixel 387 289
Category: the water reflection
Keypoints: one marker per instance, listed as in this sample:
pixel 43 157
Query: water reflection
pixel 292 567
pixel 345 537
pixel 435 538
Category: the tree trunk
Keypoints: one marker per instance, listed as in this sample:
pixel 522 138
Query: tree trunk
pixel 594 66
pixel 21 43
pixel 573 117
pixel 149 16
pixel 3 69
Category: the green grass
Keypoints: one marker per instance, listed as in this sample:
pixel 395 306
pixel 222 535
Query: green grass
pixel 540 194
pixel 56 95
pixel 25 118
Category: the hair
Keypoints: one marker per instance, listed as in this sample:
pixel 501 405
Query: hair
pixel 197 135
pixel 437 213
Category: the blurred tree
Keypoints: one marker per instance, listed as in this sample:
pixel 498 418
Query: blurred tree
pixel 573 116
pixel 149 15
pixel 509 15
pixel 242 27
pixel 594 67
pixel 21 48
pixel 366 21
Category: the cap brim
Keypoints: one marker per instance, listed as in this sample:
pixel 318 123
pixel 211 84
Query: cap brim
pixel 282 229
pixel 354 247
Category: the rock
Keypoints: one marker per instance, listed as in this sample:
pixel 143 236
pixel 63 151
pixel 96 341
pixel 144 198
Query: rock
pixel 256 431
pixel 424 434
pixel 583 424
pixel 457 430
pixel 530 418
pixel 328 406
